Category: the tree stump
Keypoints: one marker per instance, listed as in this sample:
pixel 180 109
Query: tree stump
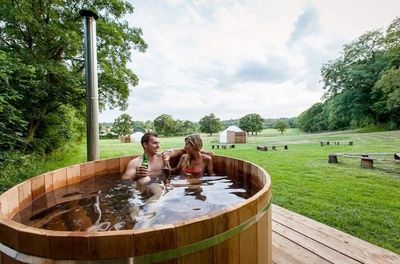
pixel 367 163
pixel 327 143
pixel 350 143
pixel 332 158
pixel 322 143
pixel 286 147
pixel 273 148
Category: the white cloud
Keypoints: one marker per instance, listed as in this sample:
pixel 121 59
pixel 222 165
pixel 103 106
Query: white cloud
pixel 232 58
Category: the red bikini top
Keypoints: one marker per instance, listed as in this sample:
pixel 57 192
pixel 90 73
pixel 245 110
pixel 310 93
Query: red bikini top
pixel 192 170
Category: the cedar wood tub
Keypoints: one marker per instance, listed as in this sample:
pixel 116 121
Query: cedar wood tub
pixel 240 233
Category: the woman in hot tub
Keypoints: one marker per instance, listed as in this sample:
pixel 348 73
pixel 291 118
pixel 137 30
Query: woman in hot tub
pixel 194 163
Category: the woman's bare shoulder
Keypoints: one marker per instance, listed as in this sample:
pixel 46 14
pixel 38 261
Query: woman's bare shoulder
pixel 206 157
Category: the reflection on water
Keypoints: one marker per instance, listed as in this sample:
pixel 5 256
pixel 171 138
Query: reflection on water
pixel 107 203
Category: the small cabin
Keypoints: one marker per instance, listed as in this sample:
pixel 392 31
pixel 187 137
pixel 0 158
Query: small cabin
pixel 232 135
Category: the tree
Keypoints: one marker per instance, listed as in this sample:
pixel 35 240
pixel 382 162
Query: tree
pixel 281 126
pixel 45 39
pixel 148 126
pixel 185 127
pixel 210 124
pixel 165 125
pixel 123 125
pixel 251 123
pixel 313 119
pixel 138 126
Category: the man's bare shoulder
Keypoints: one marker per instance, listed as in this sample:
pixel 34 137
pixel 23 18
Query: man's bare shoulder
pixel 135 162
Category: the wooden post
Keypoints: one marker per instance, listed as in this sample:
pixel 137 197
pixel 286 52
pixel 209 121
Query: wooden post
pixel 286 147
pixel 273 148
pixel 322 143
pixel 332 158
pixel 367 163
pixel 327 143
pixel 350 143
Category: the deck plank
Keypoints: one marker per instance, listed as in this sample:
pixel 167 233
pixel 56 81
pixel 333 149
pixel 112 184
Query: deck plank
pixel 311 245
pixel 284 251
pixel 333 243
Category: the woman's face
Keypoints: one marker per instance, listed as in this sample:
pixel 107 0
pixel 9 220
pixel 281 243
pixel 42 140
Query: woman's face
pixel 189 147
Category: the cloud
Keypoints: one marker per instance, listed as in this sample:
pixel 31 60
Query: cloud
pixel 305 25
pixel 237 57
pixel 274 71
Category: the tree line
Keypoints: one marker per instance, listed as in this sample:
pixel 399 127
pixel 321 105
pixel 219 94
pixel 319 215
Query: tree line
pixel 362 85
pixel 166 125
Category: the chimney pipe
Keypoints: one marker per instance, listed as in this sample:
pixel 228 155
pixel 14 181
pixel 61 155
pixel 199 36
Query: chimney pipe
pixel 92 100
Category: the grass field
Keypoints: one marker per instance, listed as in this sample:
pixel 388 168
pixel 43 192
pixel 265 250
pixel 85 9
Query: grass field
pixel 362 202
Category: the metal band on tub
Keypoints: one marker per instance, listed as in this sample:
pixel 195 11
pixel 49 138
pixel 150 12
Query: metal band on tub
pixel 201 245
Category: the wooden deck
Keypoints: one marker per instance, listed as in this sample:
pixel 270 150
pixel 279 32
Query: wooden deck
pixel 298 239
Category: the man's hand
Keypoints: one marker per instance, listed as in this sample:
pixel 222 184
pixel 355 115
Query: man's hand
pixel 141 172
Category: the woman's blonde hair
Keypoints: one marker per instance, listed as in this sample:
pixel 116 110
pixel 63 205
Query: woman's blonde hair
pixel 195 141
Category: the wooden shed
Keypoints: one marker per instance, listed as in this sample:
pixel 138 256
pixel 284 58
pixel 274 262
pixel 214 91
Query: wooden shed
pixel 232 135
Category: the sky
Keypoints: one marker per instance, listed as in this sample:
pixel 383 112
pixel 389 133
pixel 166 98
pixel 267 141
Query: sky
pixel 238 57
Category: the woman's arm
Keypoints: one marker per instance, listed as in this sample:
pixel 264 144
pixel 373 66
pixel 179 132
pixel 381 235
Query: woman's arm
pixel 209 164
pixel 182 160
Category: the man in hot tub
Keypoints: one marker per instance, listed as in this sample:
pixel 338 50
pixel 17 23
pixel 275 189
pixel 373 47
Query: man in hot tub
pixel 147 168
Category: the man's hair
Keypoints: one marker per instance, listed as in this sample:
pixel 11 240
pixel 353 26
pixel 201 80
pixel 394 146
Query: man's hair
pixel 146 137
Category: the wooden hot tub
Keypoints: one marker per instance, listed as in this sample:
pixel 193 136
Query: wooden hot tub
pixel 238 234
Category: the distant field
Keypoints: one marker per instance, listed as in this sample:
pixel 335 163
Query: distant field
pixel 362 202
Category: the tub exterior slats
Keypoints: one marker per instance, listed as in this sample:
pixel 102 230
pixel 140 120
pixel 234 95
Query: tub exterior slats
pixel 147 243
pixel 9 235
pixel 263 225
pixel 33 242
pixel 228 251
pixel 61 246
pixel 190 232
pixel 80 246
pixel 105 246
pixel 248 238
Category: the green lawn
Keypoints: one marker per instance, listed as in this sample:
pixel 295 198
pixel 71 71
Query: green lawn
pixel 362 202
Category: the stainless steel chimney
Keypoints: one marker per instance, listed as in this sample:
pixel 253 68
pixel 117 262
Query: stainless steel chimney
pixel 92 95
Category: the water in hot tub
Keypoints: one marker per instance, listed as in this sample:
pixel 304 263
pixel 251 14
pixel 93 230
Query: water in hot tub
pixel 107 203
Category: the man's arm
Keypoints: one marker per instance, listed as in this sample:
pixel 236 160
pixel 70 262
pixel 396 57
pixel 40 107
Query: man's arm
pixel 130 172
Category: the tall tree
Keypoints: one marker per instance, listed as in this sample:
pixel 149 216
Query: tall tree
pixel 281 126
pixel 45 38
pixel 210 124
pixel 165 125
pixel 123 125
pixel 251 123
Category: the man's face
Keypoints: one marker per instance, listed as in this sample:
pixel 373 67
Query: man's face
pixel 152 146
